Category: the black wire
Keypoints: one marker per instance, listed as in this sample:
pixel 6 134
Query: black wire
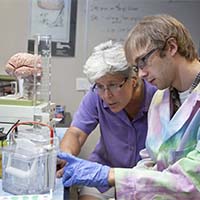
pixel 12 127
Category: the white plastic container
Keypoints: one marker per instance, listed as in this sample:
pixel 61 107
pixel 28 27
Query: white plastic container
pixel 29 164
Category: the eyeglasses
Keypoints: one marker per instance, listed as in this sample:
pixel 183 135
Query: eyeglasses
pixel 141 62
pixel 113 88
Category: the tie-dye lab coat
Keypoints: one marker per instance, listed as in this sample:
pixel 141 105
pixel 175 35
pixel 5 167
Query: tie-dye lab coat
pixel 172 170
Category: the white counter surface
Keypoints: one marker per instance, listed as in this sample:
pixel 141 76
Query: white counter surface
pixel 57 194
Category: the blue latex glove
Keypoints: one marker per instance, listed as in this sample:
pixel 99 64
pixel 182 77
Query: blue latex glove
pixel 82 172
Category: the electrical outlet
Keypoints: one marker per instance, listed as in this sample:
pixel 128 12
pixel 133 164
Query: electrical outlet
pixel 82 84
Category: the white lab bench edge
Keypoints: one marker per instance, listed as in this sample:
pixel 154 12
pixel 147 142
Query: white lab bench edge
pixel 57 193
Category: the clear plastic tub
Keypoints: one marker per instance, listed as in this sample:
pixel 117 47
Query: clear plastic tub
pixel 29 166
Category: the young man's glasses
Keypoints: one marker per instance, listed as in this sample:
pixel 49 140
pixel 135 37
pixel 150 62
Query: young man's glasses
pixel 142 62
pixel 113 88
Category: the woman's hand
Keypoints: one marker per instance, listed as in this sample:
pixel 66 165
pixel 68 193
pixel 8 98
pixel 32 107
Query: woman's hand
pixel 60 167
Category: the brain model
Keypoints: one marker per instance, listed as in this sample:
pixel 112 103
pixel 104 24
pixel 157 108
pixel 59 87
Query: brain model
pixel 24 65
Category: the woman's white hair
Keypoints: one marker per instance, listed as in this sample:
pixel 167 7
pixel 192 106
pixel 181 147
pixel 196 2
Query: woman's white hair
pixel 107 58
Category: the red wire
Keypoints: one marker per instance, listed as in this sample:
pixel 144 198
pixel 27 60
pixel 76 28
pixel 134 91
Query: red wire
pixel 39 123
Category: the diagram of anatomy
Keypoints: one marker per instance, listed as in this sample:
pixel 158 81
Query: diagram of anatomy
pixel 51 17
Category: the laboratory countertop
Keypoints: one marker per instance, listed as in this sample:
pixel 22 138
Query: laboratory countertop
pixel 57 194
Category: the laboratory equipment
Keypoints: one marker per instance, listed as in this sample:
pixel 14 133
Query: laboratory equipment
pixel 33 72
pixel 3 142
pixel 8 85
pixel 32 102
pixel 29 159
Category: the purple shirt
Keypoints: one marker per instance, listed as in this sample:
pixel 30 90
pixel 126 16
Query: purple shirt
pixel 121 139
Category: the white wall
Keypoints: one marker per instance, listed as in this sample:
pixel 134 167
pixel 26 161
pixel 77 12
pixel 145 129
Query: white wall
pixel 14 23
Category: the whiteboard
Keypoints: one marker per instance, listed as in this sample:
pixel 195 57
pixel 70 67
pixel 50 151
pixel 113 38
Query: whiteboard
pixel 113 19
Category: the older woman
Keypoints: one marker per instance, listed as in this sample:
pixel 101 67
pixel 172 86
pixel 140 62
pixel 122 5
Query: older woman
pixel 118 102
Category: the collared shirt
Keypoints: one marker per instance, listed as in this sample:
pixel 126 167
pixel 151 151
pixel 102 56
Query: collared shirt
pixel 120 139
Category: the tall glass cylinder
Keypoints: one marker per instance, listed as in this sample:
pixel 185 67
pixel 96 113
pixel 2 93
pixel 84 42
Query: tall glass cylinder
pixel 42 86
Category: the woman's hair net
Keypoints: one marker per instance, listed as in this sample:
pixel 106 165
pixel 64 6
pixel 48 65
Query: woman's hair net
pixel 107 58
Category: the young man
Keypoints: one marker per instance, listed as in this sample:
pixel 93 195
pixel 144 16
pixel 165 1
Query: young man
pixel 118 102
pixel 162 49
